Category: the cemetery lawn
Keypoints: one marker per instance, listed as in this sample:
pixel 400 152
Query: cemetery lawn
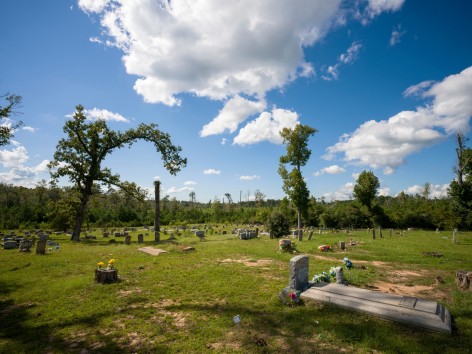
pixel 185 301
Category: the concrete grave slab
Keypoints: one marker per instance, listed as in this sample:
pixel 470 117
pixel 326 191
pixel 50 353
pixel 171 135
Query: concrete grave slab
pixel 151 250
pixel 406 309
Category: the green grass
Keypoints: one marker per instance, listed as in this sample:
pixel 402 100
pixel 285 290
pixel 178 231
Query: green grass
pixel 185 302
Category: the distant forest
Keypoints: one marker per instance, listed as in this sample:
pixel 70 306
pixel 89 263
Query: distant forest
pixel 54 208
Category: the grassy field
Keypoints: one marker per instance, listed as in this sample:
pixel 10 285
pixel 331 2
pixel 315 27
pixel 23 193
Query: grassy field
pixel 185 301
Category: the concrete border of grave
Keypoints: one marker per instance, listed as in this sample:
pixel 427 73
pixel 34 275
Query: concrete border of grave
pixel 405 309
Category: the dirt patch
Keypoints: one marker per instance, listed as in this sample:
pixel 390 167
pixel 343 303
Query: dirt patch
pixel 414 290
pixel 129 292
pixel 248 262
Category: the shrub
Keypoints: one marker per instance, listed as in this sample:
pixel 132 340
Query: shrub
pixel 278 224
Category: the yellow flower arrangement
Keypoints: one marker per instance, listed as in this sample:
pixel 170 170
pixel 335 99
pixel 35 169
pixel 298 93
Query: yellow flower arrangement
pixel 111 263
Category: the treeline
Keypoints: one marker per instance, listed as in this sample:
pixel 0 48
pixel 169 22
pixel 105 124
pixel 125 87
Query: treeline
pixel 55 208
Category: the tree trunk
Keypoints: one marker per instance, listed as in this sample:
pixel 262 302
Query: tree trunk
pixel 157 227
pixel 299 218
pixel 79 221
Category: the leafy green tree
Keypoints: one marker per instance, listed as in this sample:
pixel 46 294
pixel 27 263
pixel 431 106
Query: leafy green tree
pixel 278 224
pixel 460 189
pixel 80 156
pixel 297 156
pixel 366 188
pixel 6 131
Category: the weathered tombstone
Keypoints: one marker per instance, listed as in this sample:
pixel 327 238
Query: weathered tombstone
pixel 200 234
pixel 390 232
pixel 299 272
pixel 105 234
pixel 310 235
pixel 319 231
pixel 117 234
pixel 373 233
pixel 140 238
pixel 454 232
pixel 300 235
pixel 340 276
pixel 464 280
pixel 41 247
pixel 342 245
pixel 9 244
pixel 271 234
pixel 127 239
pixel 380 231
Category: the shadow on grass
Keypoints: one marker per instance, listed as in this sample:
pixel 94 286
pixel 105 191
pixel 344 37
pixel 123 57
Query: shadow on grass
pixel 326 327
pixel 18 332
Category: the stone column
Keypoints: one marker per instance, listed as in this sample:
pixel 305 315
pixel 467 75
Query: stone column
pixel 299 272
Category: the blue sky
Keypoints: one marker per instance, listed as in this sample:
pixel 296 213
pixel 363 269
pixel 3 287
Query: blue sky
pixel 387 84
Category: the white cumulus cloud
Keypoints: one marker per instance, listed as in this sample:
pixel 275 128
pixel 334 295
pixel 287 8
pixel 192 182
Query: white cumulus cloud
pixel 14 158
pixel 267 127
pixel 190 183
pixel 212 48
pixel 376 7
pixel 93 5
pixel 386 143
pixel 174 190
pixel 211 171
pixel 249 178
pixel 103 114
pixel 332 170
pixel 235 111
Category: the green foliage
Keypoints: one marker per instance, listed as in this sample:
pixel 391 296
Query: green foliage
pixel 297 155
pixel 366 188
pixel 6 131
pixel 278 224
pixel 79 157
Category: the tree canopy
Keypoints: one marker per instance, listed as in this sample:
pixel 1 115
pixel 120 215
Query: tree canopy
pixel 80 155
pixel 366 188
pixel 6 130
pixel 298 154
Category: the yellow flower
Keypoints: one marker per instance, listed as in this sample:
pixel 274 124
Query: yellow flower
pixel 100 264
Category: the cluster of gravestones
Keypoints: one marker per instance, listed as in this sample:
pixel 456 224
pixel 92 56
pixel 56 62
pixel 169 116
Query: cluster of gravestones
pixel 22 242
pixel 245 234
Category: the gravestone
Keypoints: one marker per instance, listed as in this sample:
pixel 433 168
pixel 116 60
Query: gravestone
pixel 140 238
pixel 127 239
pixel 41 247
pixel 340 276
pixel 105 234
pixel 300 235
pixel 200 234
pixel 342 245
pixel 9 244
pixel 299 272
pixel 310 235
